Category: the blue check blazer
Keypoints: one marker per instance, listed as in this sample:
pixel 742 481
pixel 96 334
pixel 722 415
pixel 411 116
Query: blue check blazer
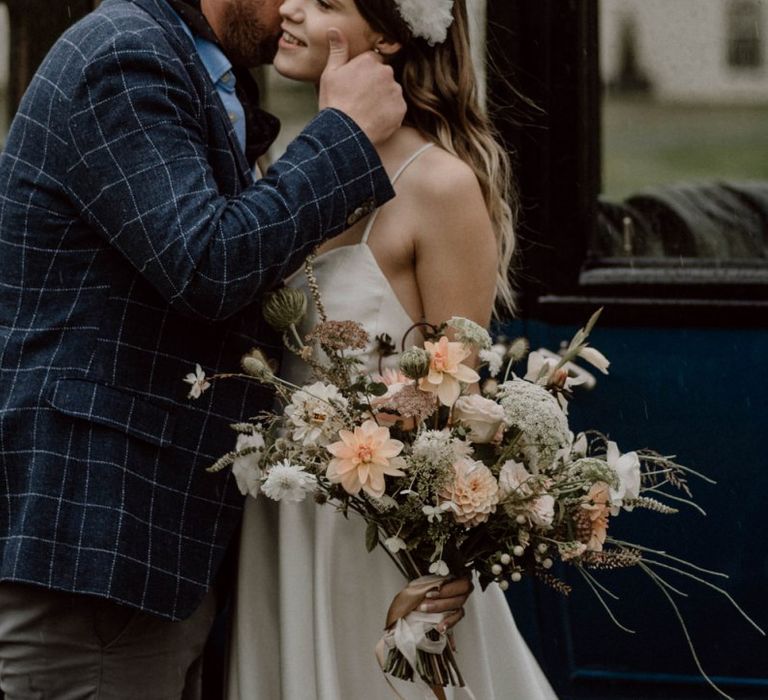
pixel 135 243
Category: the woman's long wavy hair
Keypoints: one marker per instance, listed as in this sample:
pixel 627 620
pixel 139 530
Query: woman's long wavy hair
pixel 440 88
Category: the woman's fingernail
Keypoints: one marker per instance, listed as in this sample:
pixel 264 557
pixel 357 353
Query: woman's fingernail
pixel 441 629
pixel 433 594
pixel 424 607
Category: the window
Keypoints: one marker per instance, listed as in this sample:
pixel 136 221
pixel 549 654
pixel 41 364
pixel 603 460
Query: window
pixel 745 45
pixel 642 167
pixel 684 169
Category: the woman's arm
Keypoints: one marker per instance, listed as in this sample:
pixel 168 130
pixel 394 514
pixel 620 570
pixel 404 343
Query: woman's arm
pixel 455 248
pixel 456 260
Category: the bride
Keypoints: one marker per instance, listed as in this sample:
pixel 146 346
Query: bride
pixel 311 601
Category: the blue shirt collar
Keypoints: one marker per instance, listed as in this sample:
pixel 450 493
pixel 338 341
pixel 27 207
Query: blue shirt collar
pixel 213 58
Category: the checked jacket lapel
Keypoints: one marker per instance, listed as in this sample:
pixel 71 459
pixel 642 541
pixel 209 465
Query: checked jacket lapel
pixel 180 40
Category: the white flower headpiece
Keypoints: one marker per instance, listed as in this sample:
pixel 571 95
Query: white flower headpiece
pixel 428 19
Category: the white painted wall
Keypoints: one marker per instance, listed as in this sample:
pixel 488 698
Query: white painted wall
pixel 683 49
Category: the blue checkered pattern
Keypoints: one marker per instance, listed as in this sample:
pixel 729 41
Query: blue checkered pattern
pixel 133 244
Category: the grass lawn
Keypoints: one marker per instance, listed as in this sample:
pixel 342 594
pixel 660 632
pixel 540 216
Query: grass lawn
pixel 646 143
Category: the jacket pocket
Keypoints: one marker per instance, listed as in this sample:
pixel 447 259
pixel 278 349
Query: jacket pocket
pixel 112 407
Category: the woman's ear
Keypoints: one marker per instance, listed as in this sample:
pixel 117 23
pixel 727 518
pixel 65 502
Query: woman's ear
pixel 386 47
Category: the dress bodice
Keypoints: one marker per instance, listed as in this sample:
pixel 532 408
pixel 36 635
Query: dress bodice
pixel 353 287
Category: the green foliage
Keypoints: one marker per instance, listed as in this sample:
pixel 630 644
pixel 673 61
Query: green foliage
pixel 371 536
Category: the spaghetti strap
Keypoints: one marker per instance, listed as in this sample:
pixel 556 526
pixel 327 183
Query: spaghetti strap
pixel 395 178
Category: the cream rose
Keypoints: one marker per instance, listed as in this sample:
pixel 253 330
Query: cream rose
pixel 542 512
pixel 481 416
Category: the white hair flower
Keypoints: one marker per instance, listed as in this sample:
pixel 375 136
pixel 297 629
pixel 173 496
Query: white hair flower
pixel 494 358
pixel 428 19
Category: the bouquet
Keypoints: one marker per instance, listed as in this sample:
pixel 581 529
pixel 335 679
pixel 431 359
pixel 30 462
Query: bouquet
pixel 451 475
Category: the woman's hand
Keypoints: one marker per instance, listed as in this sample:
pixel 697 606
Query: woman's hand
pixel 450 600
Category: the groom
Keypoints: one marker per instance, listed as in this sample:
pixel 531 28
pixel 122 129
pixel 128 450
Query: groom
pixel 134 243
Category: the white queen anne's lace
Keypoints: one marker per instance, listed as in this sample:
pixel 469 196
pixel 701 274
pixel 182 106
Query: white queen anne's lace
pixel 439 447
pixel 428 19
pixel 534 411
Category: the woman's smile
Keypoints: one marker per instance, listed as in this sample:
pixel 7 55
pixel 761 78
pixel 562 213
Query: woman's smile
pixel 303 47
pixel 289 41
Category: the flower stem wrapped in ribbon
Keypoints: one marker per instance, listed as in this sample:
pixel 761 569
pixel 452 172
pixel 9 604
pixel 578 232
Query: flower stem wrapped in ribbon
pixel 412 647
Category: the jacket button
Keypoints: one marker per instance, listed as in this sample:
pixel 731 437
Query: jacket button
pixel 361 212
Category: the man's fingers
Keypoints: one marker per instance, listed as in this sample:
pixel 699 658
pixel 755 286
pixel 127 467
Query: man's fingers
pixel 339 49
pixel 363 88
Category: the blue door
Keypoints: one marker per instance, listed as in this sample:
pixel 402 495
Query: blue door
pixel 642 154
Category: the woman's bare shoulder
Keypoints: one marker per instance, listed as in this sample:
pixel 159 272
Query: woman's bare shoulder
pixel 450 199
pixel 440 175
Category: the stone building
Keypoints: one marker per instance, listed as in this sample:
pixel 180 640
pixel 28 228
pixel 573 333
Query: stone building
pixel 687 50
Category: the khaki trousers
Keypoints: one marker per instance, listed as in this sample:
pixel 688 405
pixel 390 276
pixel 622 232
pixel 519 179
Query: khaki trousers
pixel 62 646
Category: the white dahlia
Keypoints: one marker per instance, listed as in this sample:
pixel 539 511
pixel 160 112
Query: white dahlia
pixel 288 482
pixel 313 414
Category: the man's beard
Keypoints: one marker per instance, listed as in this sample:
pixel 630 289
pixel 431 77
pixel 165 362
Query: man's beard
pixel 246 39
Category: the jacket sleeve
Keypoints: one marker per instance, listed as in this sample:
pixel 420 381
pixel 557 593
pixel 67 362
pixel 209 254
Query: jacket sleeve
pixel 140 176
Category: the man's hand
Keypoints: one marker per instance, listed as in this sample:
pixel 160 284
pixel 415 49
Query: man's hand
pixel 451 599
pixel 363 88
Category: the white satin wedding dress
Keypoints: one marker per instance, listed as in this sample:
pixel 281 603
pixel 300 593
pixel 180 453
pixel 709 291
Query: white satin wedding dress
pixel 311 601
